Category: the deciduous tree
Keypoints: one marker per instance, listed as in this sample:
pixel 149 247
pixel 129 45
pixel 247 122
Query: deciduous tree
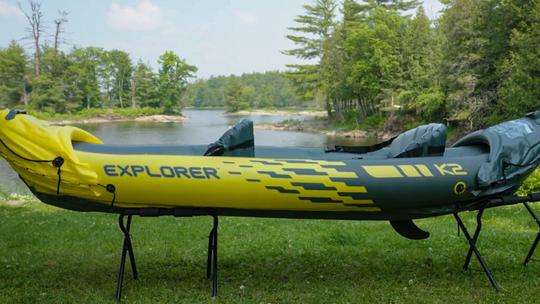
pixel 173 77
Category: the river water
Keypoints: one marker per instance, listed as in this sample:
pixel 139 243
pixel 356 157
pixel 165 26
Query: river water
pixel 201 127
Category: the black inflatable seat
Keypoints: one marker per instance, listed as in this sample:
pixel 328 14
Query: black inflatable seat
pixel 237 141
pixel 513 148
pixel 425 140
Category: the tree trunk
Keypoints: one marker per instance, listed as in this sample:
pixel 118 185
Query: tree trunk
pixel 338 111
pixel 34 29
pixel 121 85
pixel 24 96
pixel 37 56
pixel 328 109
pixel 133 101
pixel 59 21
pixel 56 35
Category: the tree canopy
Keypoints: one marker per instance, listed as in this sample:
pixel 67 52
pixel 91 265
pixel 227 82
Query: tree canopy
pixel 476 64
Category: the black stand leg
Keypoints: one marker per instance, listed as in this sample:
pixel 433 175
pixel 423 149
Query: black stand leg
pixel 473 248
pixel 210 254
pixel 126 248
pixel 535 243
pixel 212 261
pixel 474 239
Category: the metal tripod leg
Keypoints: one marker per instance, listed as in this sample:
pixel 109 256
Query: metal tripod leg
pixel 126 248
pixel 212 261
pixel 535 243
pixel 474 239
pixel 473 248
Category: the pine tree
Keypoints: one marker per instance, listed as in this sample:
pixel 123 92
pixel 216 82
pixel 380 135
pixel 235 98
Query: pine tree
pixel 314 28
pixel 145 84
pixel 233 95
pixel 393 5
pixel 462 65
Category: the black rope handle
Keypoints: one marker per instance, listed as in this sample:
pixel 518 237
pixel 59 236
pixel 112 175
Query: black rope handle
pixel 56 163
pixel 25 158
pixel 111 189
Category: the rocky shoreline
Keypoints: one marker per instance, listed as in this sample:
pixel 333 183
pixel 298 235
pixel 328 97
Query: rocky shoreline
pixel 320 126
pixel 95 120
pixel 278 113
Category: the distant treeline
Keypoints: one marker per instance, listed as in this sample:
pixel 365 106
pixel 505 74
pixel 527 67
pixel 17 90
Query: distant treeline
pixel 476 64
pixel 256 90
pixel 88 78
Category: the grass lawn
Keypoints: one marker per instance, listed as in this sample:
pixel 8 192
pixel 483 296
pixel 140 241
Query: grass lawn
pixel 49 255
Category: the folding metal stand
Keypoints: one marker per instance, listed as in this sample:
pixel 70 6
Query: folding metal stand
pixel 212 258
pixel 472 246
pixel 535 243
pixel 212 261
pixel 126 248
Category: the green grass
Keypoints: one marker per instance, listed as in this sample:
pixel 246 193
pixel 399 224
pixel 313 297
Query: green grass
pixel 49 255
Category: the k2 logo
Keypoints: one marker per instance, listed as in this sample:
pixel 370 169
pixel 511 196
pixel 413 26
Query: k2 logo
pixel 450 169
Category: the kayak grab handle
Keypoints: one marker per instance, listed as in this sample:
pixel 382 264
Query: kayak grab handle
pixel 12 113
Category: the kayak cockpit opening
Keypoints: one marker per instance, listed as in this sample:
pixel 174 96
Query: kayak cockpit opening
pixel 239 141
pixel 515 143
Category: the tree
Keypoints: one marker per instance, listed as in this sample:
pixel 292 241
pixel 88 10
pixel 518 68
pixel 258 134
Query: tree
pixel 314 27
pixel 520 72
pixel 374 49
pixel 35 30
pixel 173 77
pixel 13 84
pixel 83 76
pixel 233 96
pixel 334 69
pixel 121 70
pixel 59 22
pixel 105 74
pixel 421 59
pixel 50 91
pixel 145 90
pixel 420 52
pixel 392 5
pixel 48 94
pixel 463 63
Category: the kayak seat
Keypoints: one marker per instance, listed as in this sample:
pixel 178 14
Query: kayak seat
pixel 425 140
pixel 237 141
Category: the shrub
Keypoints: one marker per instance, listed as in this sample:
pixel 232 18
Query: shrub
pixel 531 184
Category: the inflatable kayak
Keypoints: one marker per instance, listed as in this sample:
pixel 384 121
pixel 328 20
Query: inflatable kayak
pixel 410 176
pixel 413 175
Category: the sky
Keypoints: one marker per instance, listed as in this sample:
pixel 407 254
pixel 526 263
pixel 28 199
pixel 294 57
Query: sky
pixel 220 37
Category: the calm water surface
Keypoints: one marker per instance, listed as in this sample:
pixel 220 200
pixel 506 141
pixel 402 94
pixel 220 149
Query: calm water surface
pixel 202 127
